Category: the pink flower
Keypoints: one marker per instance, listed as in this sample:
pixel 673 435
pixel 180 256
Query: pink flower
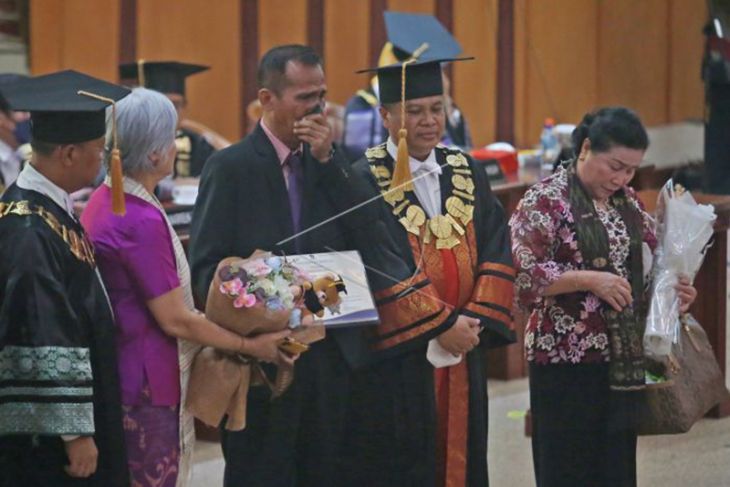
pixel 244 300
pixel 232 287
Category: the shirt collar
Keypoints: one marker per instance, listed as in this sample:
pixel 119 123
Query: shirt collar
pixel 282 150
pixel 418 168
pixel 31 179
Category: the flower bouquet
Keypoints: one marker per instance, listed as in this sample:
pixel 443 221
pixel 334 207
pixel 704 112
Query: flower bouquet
pixel 261 294
pixel 684 229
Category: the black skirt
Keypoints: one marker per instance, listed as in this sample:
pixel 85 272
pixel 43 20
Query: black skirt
pixel 583 433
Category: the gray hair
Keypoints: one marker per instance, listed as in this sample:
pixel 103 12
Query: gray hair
pixel 146 123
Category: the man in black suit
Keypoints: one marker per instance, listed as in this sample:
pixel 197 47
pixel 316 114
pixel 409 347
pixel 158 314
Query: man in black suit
pixel 282 179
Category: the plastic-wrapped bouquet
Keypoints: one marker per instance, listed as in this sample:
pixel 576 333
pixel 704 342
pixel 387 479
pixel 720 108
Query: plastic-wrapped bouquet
pixel 683 231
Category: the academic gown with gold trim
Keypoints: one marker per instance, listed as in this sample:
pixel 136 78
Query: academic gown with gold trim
pixel 404 414
pixel 58 367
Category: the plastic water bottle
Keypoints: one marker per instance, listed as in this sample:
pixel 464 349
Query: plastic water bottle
pixel 550 147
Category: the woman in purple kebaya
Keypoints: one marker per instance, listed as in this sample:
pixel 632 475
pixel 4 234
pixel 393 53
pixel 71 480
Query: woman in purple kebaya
pixel 146 275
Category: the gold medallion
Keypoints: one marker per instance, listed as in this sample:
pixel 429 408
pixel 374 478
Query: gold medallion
pixel 414 219
pixel 377 152
pixel 455 225
pixel 447 243
pixel 440 226
pixel 600 262
pixel 458 209
pixel 456 160
pixel 393 196
pixel 463 183
pixel 380 172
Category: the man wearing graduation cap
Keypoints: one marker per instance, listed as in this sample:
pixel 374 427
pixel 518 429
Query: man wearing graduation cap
pixel 420 412
pixel 60 408
pixel 406 32
pixel 168 77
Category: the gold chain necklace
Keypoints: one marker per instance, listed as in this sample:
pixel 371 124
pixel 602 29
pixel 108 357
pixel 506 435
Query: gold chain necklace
pixel 459 205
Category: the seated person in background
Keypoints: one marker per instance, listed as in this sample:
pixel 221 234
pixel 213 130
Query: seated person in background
pixel 363 124
pixel 148 280
pixel 168 77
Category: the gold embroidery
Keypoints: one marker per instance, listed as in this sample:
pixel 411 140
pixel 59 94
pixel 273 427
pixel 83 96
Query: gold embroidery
pixel 78 244
pixel 21 208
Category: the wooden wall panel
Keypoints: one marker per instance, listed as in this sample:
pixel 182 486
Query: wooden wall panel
pixel 686 92
pixel 474 83
pixel 346 49
pixel 75 34
pixel 282 22
pixel 415 6
pixel 46 32
pixel 556 68
pixel 194 32
pixel 633 57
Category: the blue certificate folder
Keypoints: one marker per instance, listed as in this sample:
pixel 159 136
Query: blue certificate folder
pixel 357 307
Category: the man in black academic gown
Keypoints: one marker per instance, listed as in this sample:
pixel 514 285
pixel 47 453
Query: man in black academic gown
pixel 405 32
pixel 60 408
pixel 168 77
pixel 419 411
pixel 285 178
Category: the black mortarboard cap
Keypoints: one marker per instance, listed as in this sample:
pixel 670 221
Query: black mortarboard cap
pixel 407 32
pixel 423 78
pixel 58 113
pixel 162 76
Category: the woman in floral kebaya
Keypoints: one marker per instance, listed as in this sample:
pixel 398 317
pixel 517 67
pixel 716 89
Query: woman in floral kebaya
pixel 582 244
pixel 146 274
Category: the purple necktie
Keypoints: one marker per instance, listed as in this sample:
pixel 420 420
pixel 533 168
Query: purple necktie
pixel 295 183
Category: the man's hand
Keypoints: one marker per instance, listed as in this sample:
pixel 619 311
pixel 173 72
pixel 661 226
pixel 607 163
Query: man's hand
pixel 461 337
pixel 315 131
pixel 82 455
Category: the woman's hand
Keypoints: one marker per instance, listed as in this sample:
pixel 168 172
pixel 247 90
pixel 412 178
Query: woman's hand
pixel 462 336
pixel 613 289
pixel 686 293
pixel 264 347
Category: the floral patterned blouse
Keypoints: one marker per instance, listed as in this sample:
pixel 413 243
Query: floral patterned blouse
pixel 566 328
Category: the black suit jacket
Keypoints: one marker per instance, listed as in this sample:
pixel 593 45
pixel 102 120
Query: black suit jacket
pixel 243 205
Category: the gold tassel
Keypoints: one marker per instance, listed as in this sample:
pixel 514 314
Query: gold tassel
pixel 402 172
pixel 402 176
pixel 115 163
pixel 118 207
pixel 140 73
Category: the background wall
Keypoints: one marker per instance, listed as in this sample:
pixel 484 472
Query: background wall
pixel 569 55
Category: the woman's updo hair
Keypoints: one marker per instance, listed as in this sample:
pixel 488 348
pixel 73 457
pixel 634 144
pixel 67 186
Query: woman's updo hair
pixel 609 127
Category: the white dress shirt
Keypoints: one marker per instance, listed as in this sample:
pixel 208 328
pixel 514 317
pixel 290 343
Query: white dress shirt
pixel 31 179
